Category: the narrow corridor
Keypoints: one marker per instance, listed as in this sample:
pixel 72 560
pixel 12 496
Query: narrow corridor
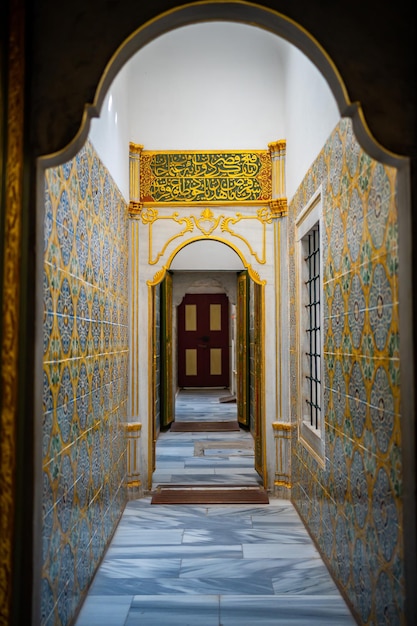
pixel 211 565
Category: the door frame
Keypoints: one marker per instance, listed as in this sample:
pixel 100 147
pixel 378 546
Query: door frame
pixel 251 378
pixel 152 356
pixel 242 349
pixel 259 428
pixel 166 364
pixel 258 381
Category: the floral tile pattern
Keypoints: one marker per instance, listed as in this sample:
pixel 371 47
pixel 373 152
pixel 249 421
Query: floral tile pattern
pixel 352 507
pixel 360 485
pixel 85 376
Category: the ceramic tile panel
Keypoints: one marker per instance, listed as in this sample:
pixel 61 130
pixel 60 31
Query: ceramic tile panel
pixel 352 506
pixel 85 377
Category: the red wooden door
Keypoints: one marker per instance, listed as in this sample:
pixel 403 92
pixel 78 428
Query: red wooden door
pixel 203 341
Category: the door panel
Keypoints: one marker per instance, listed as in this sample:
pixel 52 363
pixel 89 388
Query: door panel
pixel 258 380
pixel 215 361
pixel 242 350
pixel 167 393
pixel 190 362
pixel 152 355
pixel 203 341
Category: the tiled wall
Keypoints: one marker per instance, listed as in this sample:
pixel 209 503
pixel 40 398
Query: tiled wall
pixel 85 377
pixel 352 507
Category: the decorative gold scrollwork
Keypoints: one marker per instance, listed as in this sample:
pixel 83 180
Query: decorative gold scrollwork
pixel 208 217
pixel 206 223
pixel 150 216
pixel 262 215
pixel 159 277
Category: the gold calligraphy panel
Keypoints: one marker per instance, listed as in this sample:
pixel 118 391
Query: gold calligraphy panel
pixel 183 177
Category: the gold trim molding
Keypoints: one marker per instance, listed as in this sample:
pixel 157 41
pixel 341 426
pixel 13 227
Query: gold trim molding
pixel 135 209
pixel 282 436
pixel 160 274
pixel 283 483
pixel 278 153
pixel 13 146
pixel 207 223
pixel 134 483
pixel 133 427
pixel 284 426
pixel 277 147
pixel 135 148
pixel 279 207
pixel 133 478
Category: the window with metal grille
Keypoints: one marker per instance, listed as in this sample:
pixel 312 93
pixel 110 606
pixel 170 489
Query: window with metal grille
pixel 313 374
pixel 309 320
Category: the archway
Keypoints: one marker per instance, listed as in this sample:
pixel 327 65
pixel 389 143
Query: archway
pixel 342 96
pixel 218 269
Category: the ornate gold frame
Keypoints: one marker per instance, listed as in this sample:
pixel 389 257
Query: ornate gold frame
pixel 12 148
pixel 182 171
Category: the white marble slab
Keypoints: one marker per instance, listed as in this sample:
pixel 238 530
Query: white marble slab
pixel 211 565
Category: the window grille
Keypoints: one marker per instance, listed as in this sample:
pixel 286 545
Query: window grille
pixel 311 418
pixel 313 353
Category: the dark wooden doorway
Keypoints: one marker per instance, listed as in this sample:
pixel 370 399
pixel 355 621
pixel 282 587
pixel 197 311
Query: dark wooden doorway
pixel 203 341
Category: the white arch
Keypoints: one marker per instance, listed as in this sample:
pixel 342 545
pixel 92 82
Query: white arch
pixel 240 12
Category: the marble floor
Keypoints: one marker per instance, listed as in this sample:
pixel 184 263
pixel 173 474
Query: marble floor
pixel 211 565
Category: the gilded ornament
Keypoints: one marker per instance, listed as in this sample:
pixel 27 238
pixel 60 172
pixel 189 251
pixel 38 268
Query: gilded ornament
pixel 261 216
pixel 283 483
pixel 149 216
pixel 133 426
pixel 284 426
pixel 135 209
pixel 277 146
pixel 279 207
pixel 135 148
pixel 159 276
pixel 133 483
pixel 192 177
pixel 207 216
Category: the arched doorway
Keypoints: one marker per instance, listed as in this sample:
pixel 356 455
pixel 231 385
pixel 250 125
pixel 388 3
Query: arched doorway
pixel 233 304
pixel 269 24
